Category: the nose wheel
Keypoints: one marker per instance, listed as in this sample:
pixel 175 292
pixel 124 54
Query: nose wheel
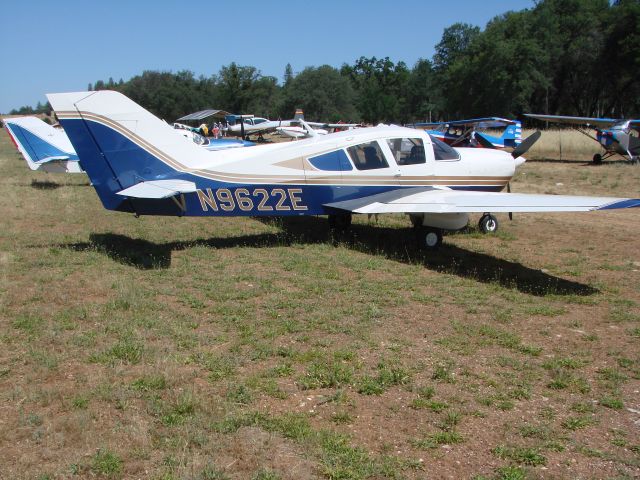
pixel 488 223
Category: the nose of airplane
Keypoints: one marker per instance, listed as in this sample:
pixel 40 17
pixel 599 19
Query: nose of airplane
pixel 519 161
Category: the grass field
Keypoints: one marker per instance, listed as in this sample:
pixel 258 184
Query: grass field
pixel 244 349
pixel 563 144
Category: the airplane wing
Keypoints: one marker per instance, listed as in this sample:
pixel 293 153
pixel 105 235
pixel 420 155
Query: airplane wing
pixel 158 189
pixel 334 125
pixel 598 122
pixel 437 200
pixel 486 122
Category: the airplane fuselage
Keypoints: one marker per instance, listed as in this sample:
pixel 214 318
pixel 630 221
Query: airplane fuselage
pixel 295 178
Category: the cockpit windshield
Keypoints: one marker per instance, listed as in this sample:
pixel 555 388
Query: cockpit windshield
pixel 442 151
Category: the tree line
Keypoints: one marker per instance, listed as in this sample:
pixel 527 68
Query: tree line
pixel 570 57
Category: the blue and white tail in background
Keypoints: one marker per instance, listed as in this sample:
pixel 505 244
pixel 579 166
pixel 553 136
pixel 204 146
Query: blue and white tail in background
pixel 44 148
pixel 510 138
pixel 512 135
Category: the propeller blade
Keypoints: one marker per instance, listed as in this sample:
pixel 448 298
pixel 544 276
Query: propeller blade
pixel 509 191
pixel 483 141
pixel 526 144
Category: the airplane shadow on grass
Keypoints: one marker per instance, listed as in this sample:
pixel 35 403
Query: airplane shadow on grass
pixel 51 185
pixel 393 243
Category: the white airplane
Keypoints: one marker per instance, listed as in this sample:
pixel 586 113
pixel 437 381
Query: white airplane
pixel 304 129
pixel 45 148
pixel 297 132
pixel 137 167
pixel 245 125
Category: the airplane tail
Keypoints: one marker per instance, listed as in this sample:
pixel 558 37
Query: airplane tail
pixel 512 135
pixel 128 153
pixel 39 143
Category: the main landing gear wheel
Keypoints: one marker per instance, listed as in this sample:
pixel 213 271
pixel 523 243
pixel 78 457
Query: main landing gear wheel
pixel 597 159
pixel 488 223
pixel 340 222
pixel 429 238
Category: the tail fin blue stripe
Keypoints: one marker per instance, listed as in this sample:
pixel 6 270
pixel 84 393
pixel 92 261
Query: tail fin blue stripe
pixel 37 148
pixel 112 161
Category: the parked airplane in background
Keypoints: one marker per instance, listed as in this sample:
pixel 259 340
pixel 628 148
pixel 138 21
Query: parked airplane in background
pixel 304 129
pixel 615 136
pixel 210 143
pixel 465 133
pixel 384 169
pixel 244 126
pixel 45 148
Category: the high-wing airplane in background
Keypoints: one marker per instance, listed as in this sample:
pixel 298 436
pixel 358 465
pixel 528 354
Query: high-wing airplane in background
pixel 469 133
pixel 384 169
pixel 615 136
pixel 44 148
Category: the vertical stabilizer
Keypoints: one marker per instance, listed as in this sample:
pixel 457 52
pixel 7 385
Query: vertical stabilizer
pixel 120 144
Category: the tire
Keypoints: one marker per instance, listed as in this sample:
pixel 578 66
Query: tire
pixel 488 224
pixel 429 238
pixel 597 159
pixel 340 222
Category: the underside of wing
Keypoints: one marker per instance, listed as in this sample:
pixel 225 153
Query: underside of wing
pixel 433 200
pixel 486 122
pixel 599 122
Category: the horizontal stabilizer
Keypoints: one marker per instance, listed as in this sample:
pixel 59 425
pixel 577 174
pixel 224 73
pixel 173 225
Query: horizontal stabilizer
pixel 158 189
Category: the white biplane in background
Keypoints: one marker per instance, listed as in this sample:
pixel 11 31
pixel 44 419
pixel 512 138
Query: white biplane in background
pixel 384 169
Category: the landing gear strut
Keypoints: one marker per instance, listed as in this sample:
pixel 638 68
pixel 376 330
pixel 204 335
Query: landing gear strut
pixel 488 223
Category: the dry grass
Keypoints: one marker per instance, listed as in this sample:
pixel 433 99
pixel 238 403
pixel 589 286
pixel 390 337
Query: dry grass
pixel 562 144
pixel 232 348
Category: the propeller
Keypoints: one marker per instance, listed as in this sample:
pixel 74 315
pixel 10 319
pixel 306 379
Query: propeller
pixel 483 141
pixel 526 144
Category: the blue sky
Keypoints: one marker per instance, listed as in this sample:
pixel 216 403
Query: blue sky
pixel 63 45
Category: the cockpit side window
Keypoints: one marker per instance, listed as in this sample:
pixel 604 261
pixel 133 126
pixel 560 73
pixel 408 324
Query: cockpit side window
pixel 442 151
pixel 407 151
pixel 367 156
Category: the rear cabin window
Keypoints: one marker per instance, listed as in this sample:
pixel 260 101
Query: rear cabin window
pixel 367 156
pixel 407 151
pixel 442 151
